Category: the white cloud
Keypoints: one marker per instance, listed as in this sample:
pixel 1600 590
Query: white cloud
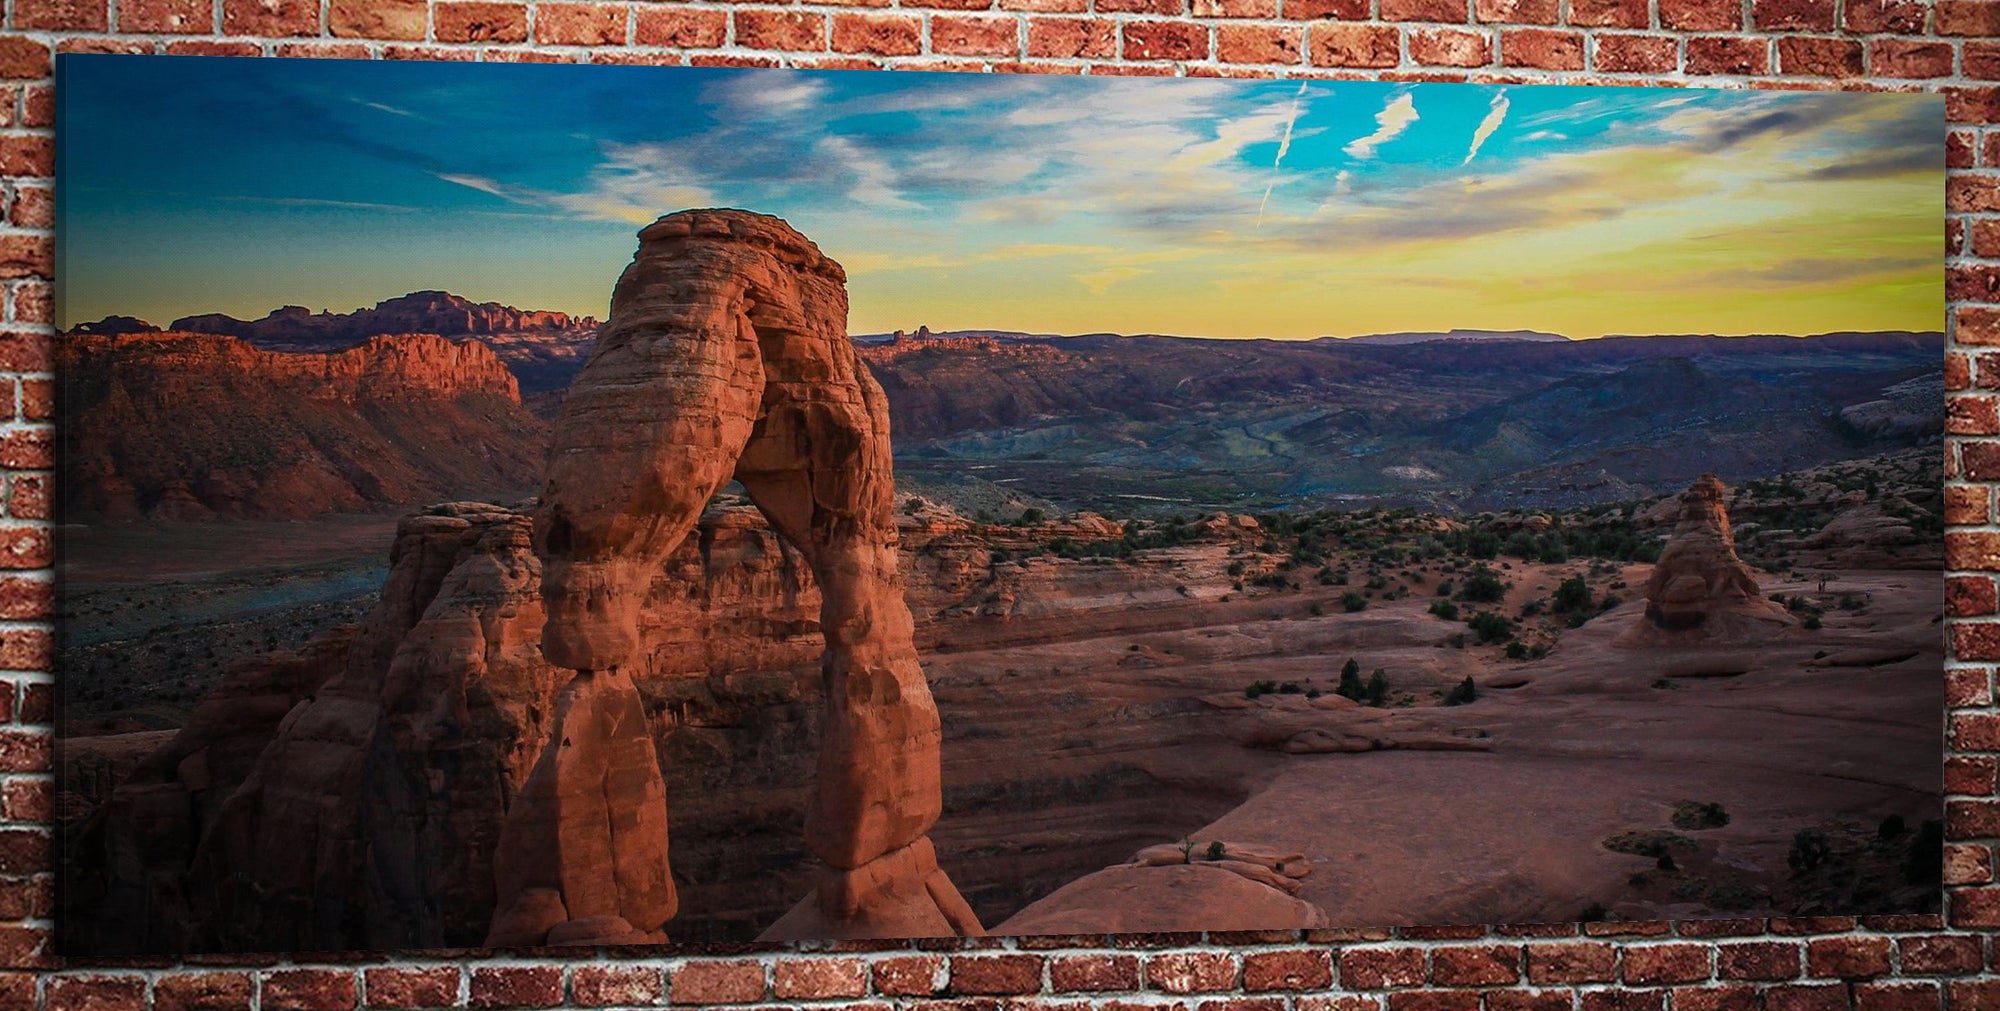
pixel 1494 117
pixel 1284 145
pixel 1101 281
pixel 1389 124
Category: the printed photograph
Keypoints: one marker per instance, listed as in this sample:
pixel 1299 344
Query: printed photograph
pixel 508 505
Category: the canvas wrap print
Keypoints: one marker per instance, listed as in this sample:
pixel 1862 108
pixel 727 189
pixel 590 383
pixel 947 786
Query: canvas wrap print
pixel 985 504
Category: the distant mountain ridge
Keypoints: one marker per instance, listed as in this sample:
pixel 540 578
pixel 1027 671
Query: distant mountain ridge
pixel 1419 337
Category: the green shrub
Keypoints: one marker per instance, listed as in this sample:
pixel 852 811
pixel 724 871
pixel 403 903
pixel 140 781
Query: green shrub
pixel 1695 815
pixel 1445 609
pixel 1353 602
pixel 1490 627
pixel 1350 682
pixel 1483 586
pixel 1809 850
pixel 1572 595
pixel 1378 688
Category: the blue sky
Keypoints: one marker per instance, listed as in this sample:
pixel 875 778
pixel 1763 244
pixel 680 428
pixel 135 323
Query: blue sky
pixel 1060 204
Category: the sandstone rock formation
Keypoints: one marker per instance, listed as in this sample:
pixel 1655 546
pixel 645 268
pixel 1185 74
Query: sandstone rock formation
pixel 264 435
pixel 1700 590
pixel 726 356
pixel 350 796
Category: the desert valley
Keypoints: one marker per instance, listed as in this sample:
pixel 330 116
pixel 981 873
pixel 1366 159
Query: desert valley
pixel 1223 634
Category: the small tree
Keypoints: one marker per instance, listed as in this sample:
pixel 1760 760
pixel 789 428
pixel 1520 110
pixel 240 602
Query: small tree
pixel 1378 688
pixel 1572 595
pixel 1350 682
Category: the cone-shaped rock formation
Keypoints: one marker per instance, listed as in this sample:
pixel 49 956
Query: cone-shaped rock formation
pixel 726 355
pixel 1700 590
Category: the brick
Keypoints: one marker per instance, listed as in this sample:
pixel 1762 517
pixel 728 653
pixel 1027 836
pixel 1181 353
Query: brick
pixel 1538 47
pixel 1972 105
pixel 815 978
pixel 26 256
pixel 1164 8
pixel 1071 38
pixel 23 58
pixel 1970 596
pixel 1978 18
pixel 1940 955
pixel 1191 972
pixel 26 598
pixel 682 28
pixel 203 991
pixel 636 985
pixel 1727 55
pixel 61 15
pixel 1378 968
pixel 1906 59
pixel 975 36
pixel 28 448
pixel 1624 1000
pixel 1819 57
pixel 580 24
pixel 1282 44
pixel 1665 963
pixel 883 35
pixel 95 992
pixel 1326 10
pixel 34 207
pixel 1792 15
pixel 1527 1000
pixel 1287 970
pixel 1848 957
pixel 1981 60
pixel 1963 282
pixel 1899 17
pixel 1434 1000
pixel 1717 998
pixel 270 17
pixel 1093 973
pixel 1610 13
pixel 907 976
pixel 29 499
pixel 1636 54
pixel 308 990
pixel 735 981
pixel 1897 997
pixel 27 155
pixel 1448 11
pixel 25 649
pixel 480 22
pixel 1761 961
pixel 169 17
pixel 1450 47
pixel 1046 6
pixel 1966 687
pixel 37 703
pixel 1571 963
pixel 1976 641
pixel 205 47
pixel 1517 12
pixel 1806 997
pixel 1957 368
pixel 399 988
pixel 1344 45
pixel 1263 9
pixel 1480 965
pixel 1701 15
pixel 1165 40
pixel 376 19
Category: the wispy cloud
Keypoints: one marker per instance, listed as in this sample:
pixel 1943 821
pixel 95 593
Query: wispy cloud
pixel 1284 145
pixel 1495 115
pixel 1390 123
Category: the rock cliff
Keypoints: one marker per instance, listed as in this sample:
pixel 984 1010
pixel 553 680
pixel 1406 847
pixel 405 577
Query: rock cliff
pixel 188 426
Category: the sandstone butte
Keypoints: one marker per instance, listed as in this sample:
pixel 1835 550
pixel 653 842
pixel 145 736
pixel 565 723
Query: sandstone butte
pixel 1700 591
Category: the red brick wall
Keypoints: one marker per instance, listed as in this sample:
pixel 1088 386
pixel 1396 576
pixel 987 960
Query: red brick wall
pixel 1889 963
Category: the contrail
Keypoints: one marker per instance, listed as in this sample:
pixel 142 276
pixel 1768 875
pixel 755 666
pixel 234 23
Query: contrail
pixel 1284 145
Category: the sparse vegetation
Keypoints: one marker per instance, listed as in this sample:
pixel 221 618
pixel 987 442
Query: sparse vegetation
pixel 1695 815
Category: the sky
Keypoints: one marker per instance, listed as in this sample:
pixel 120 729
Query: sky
pixel 1288 209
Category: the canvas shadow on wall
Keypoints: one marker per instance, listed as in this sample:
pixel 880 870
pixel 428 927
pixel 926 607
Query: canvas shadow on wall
pixel 1039 506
